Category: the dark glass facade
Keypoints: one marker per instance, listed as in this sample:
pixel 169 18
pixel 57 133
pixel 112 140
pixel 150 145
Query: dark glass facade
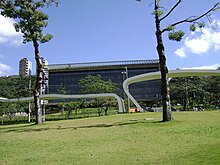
pixel 68 78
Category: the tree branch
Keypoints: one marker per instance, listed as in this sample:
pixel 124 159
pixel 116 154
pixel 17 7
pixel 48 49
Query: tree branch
pixel 193 18
pixel 171 10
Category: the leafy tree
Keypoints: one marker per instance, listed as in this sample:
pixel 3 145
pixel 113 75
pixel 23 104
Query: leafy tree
pixel 160 16
pixel 195 91
pixel 213 87
pixel 189 91
pixel 105 105
pixel 62 105
pixel 30 22
pixel 178 90
pixel 4 108
pixel 74 105
pixel 14 87
pixel 94 85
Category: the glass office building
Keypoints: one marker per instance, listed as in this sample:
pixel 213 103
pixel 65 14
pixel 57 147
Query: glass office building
pixel 67 76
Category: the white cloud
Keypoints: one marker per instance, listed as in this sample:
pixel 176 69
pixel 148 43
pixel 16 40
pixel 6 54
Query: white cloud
pixel 216 40
pixel 180 52
pixel 198 45
pixel 201 41
pixel 214 66
pixel 8 35
pixel 4 68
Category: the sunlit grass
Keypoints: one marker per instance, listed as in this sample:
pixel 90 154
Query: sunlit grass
pixel 192 138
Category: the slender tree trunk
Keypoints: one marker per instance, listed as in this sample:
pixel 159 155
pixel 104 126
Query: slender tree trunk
pixel 184 104
pixel 75 113
pixel 37 90
pixel 106 110
pixel 167 114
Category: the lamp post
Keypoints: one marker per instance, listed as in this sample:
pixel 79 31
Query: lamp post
pixel 124 78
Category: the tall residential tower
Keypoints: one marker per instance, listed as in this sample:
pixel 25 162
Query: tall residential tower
pixel 25 67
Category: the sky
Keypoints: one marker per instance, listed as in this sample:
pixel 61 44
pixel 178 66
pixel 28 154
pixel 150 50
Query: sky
pixel 115 30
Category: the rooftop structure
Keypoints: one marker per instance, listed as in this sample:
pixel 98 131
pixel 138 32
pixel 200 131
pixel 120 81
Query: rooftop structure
pixel 101 65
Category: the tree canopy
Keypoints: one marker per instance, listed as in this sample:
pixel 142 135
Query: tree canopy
pixel 30 20
pixel 95 84
pixel 192 92
pixel 14 87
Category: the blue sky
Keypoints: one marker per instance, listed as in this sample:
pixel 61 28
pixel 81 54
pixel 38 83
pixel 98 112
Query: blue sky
pixel 111 30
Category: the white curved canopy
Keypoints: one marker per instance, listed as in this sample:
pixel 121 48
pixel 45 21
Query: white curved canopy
pixel 157 75
pixel 59 96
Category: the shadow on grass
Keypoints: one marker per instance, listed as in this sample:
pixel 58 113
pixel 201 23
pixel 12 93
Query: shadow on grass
pixel 4 127
pixel 59 127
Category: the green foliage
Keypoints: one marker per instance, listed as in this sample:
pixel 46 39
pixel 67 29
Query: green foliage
pixel 195 91
pixel 69 107
pixel 215 8
pixel 6 108
pixel 176 36
pixel 14 87
pixel 192 27
pixel 159 13
pixel 61 90
pixel 49 2
pixel 31 21
pixel 196 25
pixel 94 85
pixel 169 28
pixel 201 24
pixel 46 38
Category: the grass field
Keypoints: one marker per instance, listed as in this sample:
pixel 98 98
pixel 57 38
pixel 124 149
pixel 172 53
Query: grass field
pixel 192 138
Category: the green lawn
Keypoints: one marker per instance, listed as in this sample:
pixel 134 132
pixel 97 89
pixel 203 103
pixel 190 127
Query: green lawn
pixel 193 138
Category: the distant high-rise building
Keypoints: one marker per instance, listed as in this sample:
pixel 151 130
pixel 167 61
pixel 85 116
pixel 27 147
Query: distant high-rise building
pixel 25 67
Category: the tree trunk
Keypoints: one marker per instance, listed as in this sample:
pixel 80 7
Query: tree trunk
pixel 184 104
pixel 75 113
pixel 106 109
pixel 37 90
pixel 167 114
